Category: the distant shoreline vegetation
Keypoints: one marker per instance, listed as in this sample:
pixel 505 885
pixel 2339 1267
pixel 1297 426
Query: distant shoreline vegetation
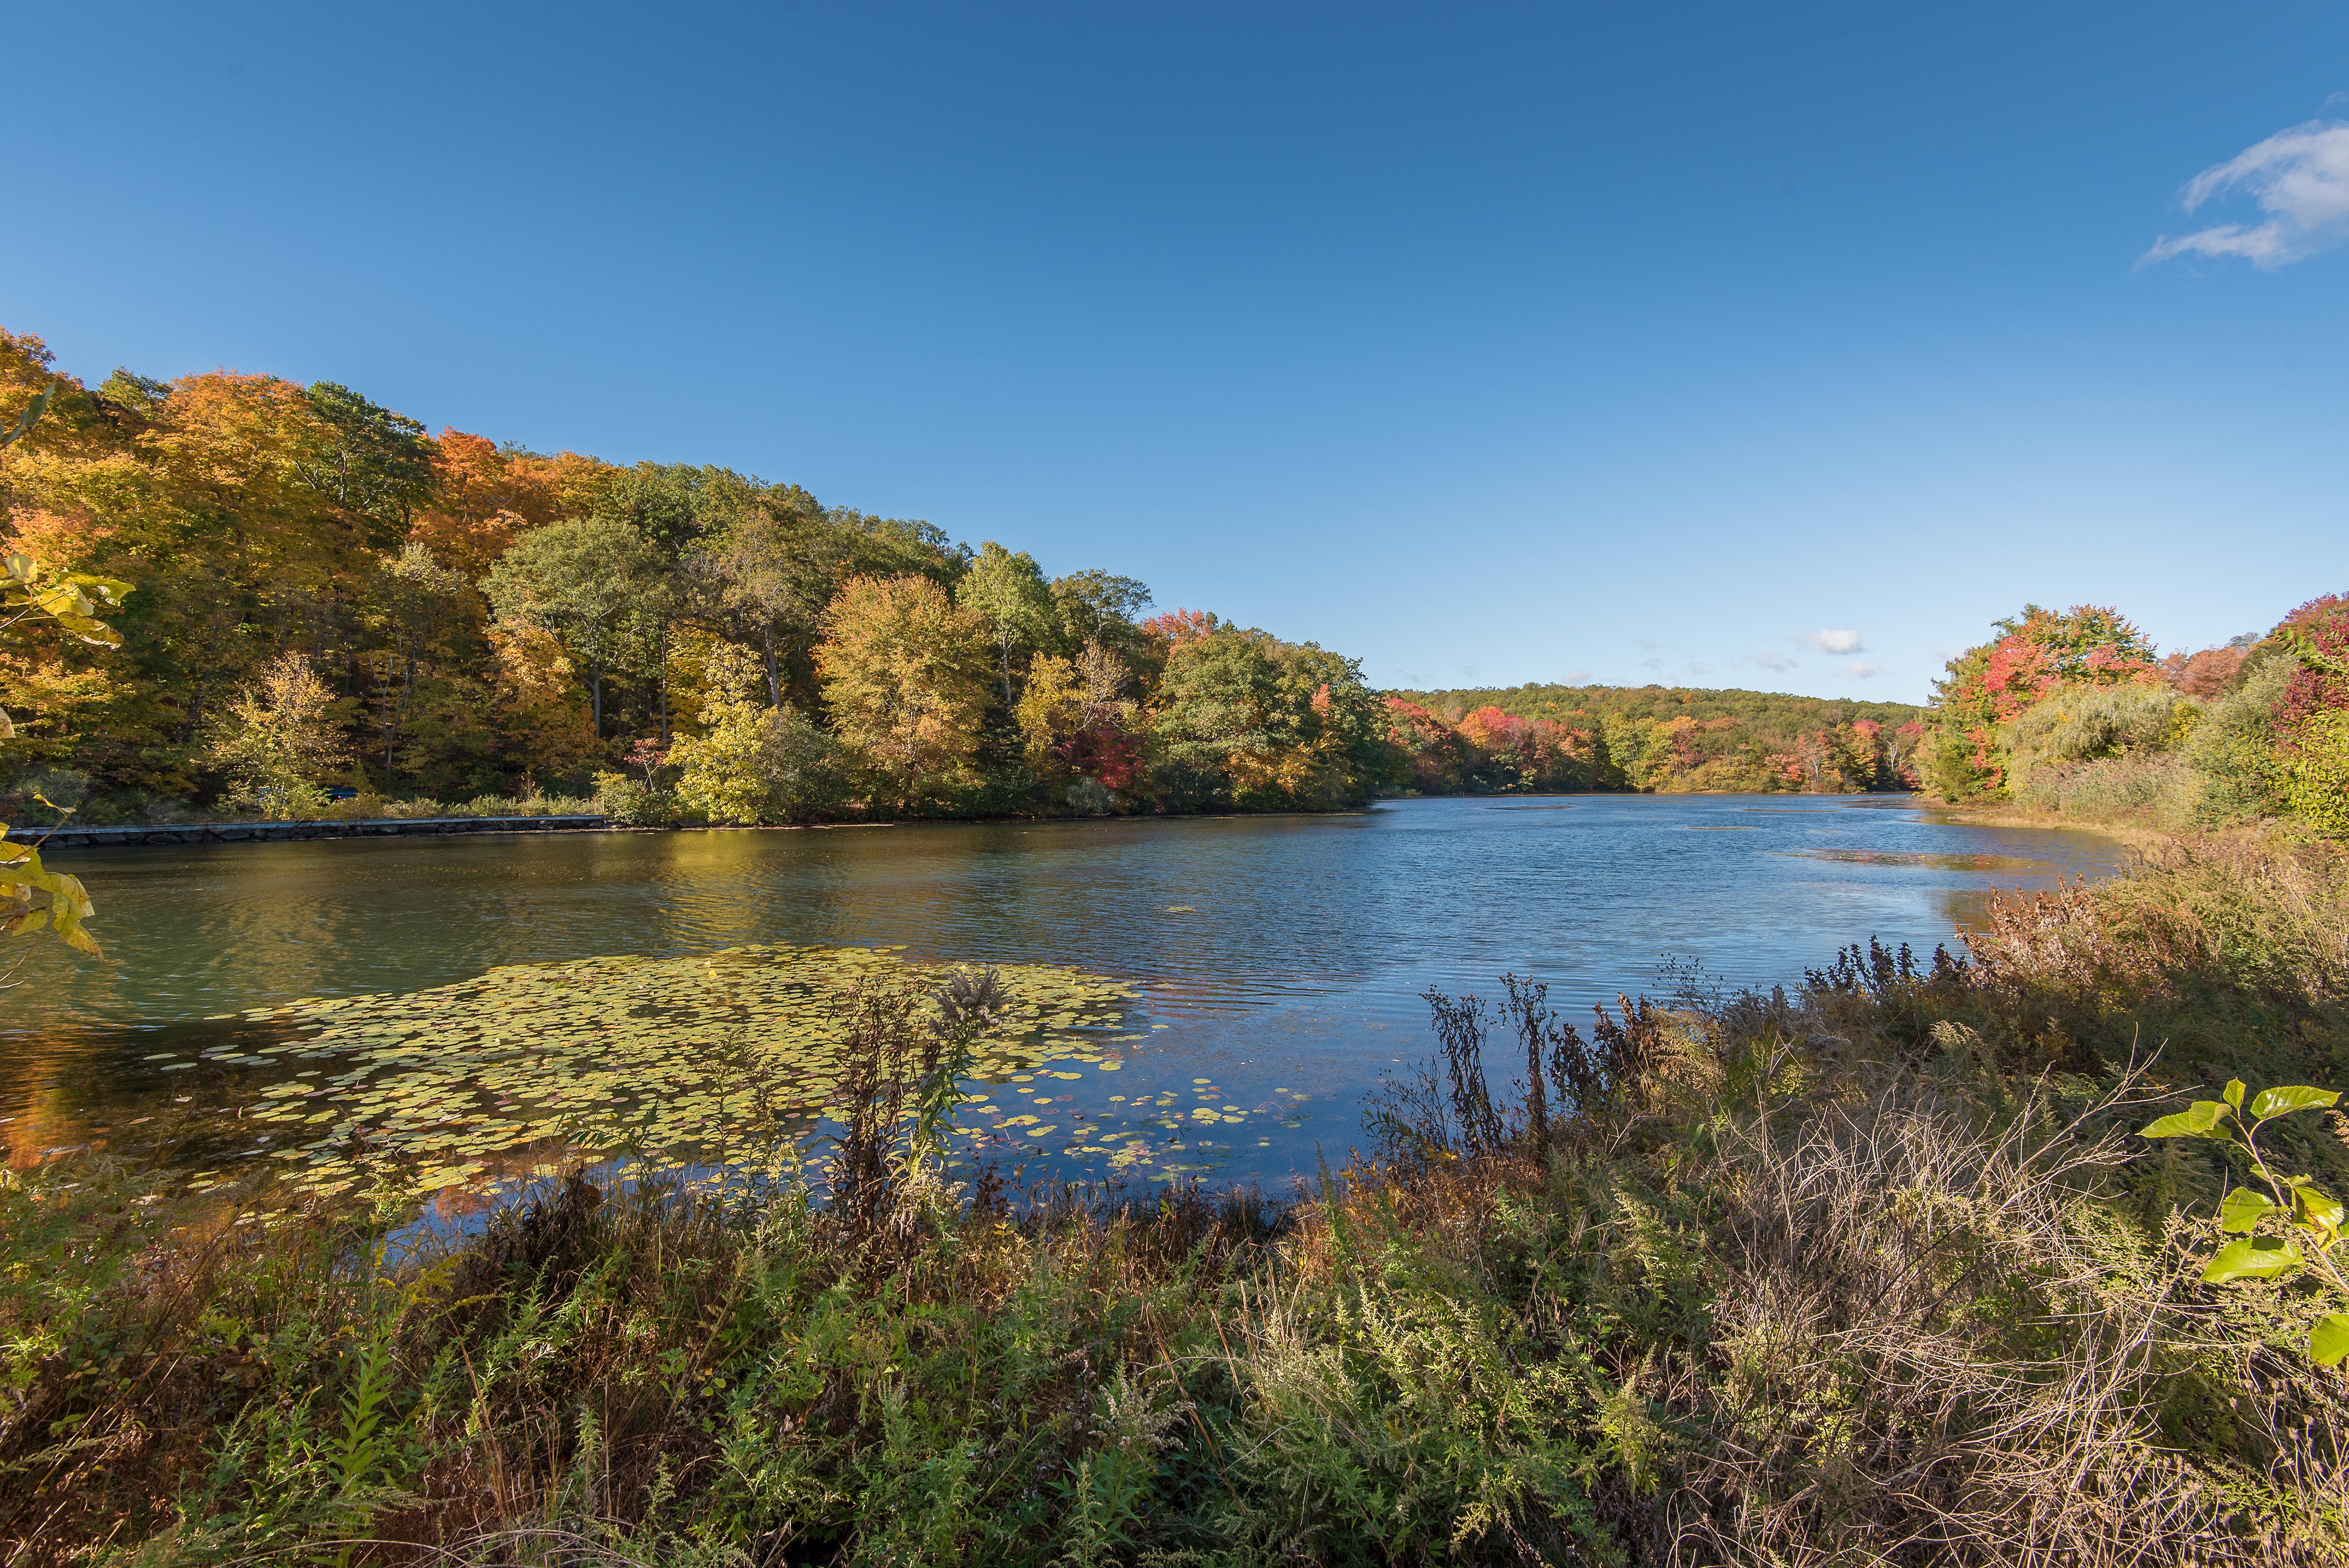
pixel 324 610
pixel 315 599
pixel 308 606
pixel 1652 739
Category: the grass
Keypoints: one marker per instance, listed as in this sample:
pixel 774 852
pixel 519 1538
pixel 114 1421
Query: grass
pixel 1865 1270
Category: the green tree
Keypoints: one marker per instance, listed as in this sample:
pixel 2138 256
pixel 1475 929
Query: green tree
pixel 590 582
pixel 368 460
pixel 1244 718
pixel 674 505
pixel 764 578
pixel 1098 607
pixel 1008 592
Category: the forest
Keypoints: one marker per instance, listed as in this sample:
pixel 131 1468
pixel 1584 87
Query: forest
pixel 317 605
pixel 319 598
pixel 1660 740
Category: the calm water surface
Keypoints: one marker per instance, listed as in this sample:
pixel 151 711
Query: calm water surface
pixel 1281 953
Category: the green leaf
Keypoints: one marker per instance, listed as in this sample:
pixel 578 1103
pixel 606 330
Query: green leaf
pixel 2195 1121
pixel 2270 1102
pixel 2241 1209
pixel 2234 1092
pixel 2316 1211
pixel 2254 1258
pixel 2328 1340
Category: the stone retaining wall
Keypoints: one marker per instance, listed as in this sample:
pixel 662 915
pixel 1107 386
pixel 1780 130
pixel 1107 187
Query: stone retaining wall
pixel 78 838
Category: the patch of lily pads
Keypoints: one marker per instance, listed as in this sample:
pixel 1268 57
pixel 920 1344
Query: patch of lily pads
pixel 699 1066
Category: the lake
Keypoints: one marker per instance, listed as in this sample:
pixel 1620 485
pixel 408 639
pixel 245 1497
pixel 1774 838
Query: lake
pixel 1277 962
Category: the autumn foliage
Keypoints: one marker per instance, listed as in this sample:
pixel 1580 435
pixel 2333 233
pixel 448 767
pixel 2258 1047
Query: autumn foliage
pixel 2073 715
pixel 1655 738
pixel 460 616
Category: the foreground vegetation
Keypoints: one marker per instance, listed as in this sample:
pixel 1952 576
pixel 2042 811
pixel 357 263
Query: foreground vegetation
pixel 1873 1269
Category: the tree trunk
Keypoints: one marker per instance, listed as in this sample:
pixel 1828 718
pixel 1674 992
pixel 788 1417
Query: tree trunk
pixel 774 678
pixel 664 684
pixel 595 693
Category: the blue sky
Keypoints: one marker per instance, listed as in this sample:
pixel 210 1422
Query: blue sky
pixel 1487 342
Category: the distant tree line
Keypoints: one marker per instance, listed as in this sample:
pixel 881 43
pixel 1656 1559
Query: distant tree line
pixel 1664 739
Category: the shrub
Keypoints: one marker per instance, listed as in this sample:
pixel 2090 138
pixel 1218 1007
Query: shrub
pixel 628 803
pixel 2083 723
pixel 2316 772
pixel 2232 748
pixel 758 765
pixel 2157 791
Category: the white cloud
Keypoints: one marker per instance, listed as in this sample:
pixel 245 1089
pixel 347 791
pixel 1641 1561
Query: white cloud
pixel 1833 641
pixel 2299 177
pixel 1577 678
pixel 1777 664
pixel 1859 670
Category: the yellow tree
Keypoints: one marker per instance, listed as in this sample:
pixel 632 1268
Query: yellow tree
pixel 1067 698
pixel 906 677
pixel 31 895
pixel 282 739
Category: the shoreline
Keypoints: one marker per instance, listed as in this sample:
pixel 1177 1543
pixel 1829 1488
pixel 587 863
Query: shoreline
pixel 2011 816
pixel 133 835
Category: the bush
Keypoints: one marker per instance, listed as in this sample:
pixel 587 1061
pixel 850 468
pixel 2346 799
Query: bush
pixel 2233 748
pixel 2316 772
pixel 628 803
pixel 2158 791
pixel 2084 723
pixel 758 765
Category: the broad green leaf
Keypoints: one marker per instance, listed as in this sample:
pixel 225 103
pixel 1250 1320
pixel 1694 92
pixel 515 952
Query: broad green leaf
pixel 2195 1121
pixel 2270 1102
pixel 2328 1340
pixel 2318 1212
pixel 2254 1258
pixel 2242 1208
pixel 2234 1093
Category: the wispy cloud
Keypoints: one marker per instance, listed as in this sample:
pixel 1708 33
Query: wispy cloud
pixel 1833 641
pixel 1859 670
pixel 1652 663
pixel 1776 663
pixel 1577 678
pixel 1646 642
pixel 2299 178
